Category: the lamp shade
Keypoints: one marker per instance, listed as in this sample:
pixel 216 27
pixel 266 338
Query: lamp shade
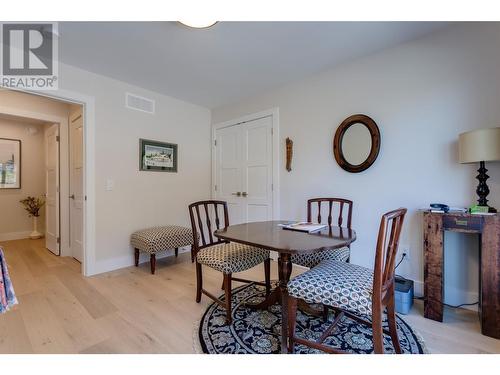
pixel 479 145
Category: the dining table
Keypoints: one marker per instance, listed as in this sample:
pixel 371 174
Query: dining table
pixel 272 236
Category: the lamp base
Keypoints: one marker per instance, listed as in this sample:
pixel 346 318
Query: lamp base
pixel 482 189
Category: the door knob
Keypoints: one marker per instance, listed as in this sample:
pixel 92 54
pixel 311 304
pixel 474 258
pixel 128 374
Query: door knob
pixel 238 194
pixel 244 194
pixel 72 196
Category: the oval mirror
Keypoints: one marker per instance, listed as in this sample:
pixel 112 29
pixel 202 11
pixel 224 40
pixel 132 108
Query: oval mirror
pixel 356 143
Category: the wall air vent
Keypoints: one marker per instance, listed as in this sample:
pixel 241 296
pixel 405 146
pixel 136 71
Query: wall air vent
pixel 139 103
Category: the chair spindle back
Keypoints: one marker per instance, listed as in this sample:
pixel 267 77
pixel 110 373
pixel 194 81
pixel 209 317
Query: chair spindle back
pixel 201 214
pixel 337 208
pixel 387 248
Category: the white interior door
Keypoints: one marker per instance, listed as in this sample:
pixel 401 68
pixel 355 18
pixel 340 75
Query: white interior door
pixel 257 171
pixel 243 169
pixel 52 189
pixel 228 171
pixel 76 185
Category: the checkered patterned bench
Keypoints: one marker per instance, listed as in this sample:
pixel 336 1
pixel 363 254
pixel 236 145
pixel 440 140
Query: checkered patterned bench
pixel 156 239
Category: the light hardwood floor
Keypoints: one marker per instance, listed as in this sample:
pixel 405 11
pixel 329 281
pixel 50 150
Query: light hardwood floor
pixel 132 311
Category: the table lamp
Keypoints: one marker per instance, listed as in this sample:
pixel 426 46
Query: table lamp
pixel 480 146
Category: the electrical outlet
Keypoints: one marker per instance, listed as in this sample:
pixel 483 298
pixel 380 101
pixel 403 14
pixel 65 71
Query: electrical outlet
pixel 405 249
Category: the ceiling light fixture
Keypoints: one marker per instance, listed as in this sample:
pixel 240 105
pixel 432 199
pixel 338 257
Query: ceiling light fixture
pixel 198 23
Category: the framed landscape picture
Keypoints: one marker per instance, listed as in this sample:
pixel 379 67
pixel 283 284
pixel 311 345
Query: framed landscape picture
pixel 10 163
pixel 157 156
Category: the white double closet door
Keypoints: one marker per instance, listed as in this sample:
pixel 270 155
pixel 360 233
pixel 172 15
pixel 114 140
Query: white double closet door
pixel 244 170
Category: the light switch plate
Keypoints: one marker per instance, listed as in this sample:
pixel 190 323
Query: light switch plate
pixel 110 184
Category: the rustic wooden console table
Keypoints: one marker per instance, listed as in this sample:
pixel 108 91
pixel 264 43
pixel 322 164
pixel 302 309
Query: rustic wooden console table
pixel 488 228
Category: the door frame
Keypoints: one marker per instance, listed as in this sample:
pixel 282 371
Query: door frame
pixel 73 116
pixel 89 266
pixel 274 114
pixel 58 184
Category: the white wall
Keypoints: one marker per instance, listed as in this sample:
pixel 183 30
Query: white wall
pixel 140 199
pixel 14 220
pixel 422 94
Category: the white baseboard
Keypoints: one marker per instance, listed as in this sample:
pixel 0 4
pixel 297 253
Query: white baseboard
pixel 15 236
pixel 455 296
pixel 452 296
pixel 113 264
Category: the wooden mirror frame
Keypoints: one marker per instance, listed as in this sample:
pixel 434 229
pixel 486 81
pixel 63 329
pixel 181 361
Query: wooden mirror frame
pixel 339 135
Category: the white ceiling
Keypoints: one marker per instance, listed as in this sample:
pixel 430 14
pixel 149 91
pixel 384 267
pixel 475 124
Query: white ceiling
pixel 228 62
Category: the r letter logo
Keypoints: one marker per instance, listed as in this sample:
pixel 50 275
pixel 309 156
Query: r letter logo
pixel 29 56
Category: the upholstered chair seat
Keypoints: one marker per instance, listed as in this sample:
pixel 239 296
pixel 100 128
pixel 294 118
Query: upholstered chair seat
pixel 312 260
pixel 232 257
pixel 338 284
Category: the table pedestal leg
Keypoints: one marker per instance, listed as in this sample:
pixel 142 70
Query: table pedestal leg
pixel 279 295
pixel 272 298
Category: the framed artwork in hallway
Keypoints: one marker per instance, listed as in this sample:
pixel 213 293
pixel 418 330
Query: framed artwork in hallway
pixel 10 163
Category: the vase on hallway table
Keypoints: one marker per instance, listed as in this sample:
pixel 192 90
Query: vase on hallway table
pixel 33 205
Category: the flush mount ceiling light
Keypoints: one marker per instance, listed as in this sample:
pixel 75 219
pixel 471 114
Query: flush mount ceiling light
pixel 198 23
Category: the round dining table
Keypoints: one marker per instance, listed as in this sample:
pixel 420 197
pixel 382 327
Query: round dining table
pixel 272 236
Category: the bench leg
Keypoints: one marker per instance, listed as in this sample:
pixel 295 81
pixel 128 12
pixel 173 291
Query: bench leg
pixel 137 257
pixel 176 252
pixel 153 263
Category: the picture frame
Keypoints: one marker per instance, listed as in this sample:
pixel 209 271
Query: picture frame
pixel 10 163
pixel 156 156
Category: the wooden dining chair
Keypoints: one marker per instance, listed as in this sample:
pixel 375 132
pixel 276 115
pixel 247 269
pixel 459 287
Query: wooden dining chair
pixel 352 290
pixel 338 209
pixel 223 256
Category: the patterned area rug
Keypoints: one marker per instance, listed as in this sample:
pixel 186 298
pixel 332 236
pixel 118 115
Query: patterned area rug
pixel 258 332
